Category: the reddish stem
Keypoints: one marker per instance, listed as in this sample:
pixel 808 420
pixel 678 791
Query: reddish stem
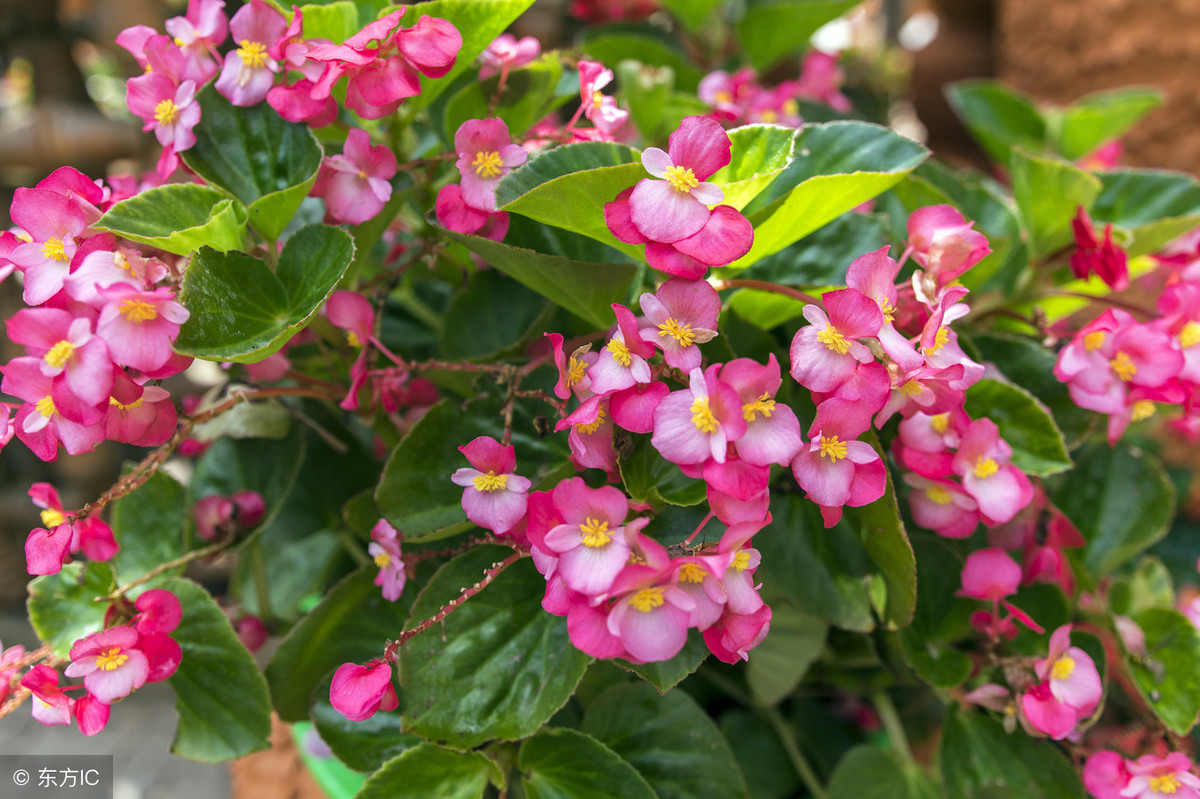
pixel 763 285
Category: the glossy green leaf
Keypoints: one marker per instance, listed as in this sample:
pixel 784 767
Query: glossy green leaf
pixel 837 166
pixel 612 44
pixel 771 29
pixel 980 759
pixel 564 764
pixel 529 95
pixel 494 313
pixel 766 309
pixel 1150 586
pixel 427 770
pixel 669 739
pixel 1167 677
pixel 1026 424
pixel 178 218
pixel 266 162
pixel 266 466
pixel 1048 191
pixel 649 477
pixel 242 311
pixel 479 22
pixel 333 21
pixel 221 696
pixel 263 419
pixel 885 540
pixel 575 273
pixel 1102 116
pixel 1153 205
pixel 362 745
pixel 62 607
pixel 782 659
pixel 940 616
pixel 819 259
pixel 351 624
pixel 666 674
pixel 868 772
pixel 150 526
pixel 761 756
pixel 759 153
pixel 998 117
pixel 1120 499
pixel 936 662
pixel 498 667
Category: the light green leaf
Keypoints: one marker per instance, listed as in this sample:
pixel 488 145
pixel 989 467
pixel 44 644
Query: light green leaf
pixel 565 763
pixel 759 154
pixel 336 22
pixel 178 218
pixel 998 117
pixel 1048 191
pixel 1024 423
pixel 765 309
pixel 1152 205
pixel 1167 677
pixel 1102 116
pixel 649 477
pixel 62 607
pixel 692 12
pixel 427 770
pixel 150 525
pixel 771 29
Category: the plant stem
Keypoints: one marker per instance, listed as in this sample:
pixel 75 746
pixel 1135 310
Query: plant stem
pixel 763 285
pixel 162 568
pixel 892 724
pixel 788 739
pixel 258 563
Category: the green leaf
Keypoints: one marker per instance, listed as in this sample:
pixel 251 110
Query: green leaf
pixel 646 90
pixel 478 21
pixel 574 272
pixel 759 154
pixel 868 772
pixel 766 309
pixel 529 95
pixel 980 759
pixel 266 466
pixel 262 419
pixel 1167 677
pixel 795 641
pixel 266 162
pixel 649 477
pixel 1102 116
pixel 1120 499
pixel 351 624
pixel 564 764
pixel 150 525
pixel 362 745
pixel 498 667
pixel 494 313
pixel 669 739
pixel 837 166
pixel 612 44
pixel 692 12
pixel 1037 444
pixel 178 218
pixel 1153 205
pixel 427 770
pixel 1150 586
pixel 771 29
pixel 221 696
pixel 819 259
pixel 62 607
pixel 764 763
pixel 885 540
pixel 940 616
pixel 568 186
pixel 336 22
pixel 242 311
pixel 666 674
pixel 1048 191
pixel 998 117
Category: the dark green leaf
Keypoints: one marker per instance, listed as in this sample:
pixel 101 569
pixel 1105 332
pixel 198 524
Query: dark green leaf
pixel 1037 444
pixel 669 739
pixel 427 770
pixel 362 745
pixel 150 526
pixel 998 117
pixel 563 764
pixel 221 696
pixel 498 667
pixel 612 44
pixel 529 95
pixel 649 477
pixel 1153 205
pixel 178 218
pixel 666 674
pixel 692 12
pixel 1102 116
pixel 771 29
pixel 1048 191
pixel 979 758
pixel 764 763
pixel 1167 677
pixel 494 313
pixel 242 311
pixel 868 772
pixel 781 660
pixel 266 466
pixel 885 540
pixel 62 607
pixel 819 259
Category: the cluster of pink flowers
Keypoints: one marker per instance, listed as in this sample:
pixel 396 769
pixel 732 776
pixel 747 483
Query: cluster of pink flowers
pixel 607 118
pixel 48 547
pixel 113 663
pixel 1107 775
pixel 737 99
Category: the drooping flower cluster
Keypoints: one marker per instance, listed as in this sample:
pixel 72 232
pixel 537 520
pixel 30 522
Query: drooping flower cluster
pixel 737 99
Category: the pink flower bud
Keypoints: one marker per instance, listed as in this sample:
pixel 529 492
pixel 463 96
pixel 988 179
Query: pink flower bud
pixel 357 692
pixel 990 574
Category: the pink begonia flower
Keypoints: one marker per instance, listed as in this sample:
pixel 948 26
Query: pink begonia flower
pixel 1046 714
pixel 735 477
pixel 8 668
pixel 76 360
pixel 735 634
pixel 677 206
pixel 820 80
pixel 89 535
pixel 835 469
pixel 591 436
pixel 358 692
pixel 944 243
pixel 825 352
pixel 1153 777
pixel 485 155
pixel 507 52
pixel 683 314
pixel 98 264
pixel 170 110
pixel 50 705
pixel 143 416
pixel 39 423
pixel 942 506
pixel 46 549
pixel 198 34
pixel 91 714
pixel 698 423
pixel 772 430
pixel 251 632
pixel 494 497
pixel 925 442
pixel 591 543
pixel 650 614
pixel 572 370
pixel 990 574
pixel 699 576
pixel 355 184
pixel 249 71
pixel 54 224
pixel 1107 260
pixel 587 627
pixel 352 312
pixel 140 326
pixel 633 408
pixel 110 662
pixel 1071 673
pixel 453 213
pixel 295 103
pixel 726 93
pixel 163 654
pixel 384 549
pixel 159 612
pixel 598 107
pixel 1105 775
pixel 623 361
pixel 874 274
pixel 982 461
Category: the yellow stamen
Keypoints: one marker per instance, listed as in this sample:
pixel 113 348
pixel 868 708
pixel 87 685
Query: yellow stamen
pixel 940 423
pixel 769 116
pixel 1143 409
pixel 354 340
pixel 164 112
pixel 138 311
pixel 1165 783
pixel 1063 668
pixel 647 599
pixel 1094 340
pixel 985 467
pixel 764 405
pixel 52 518
pixel 834 341
pixel 692 573
pixel 1190 335
pixel 889 310
pixel 487 164
pixel 682 179
pixel 938 495
pixel 111 659
pixel 620 352
pixel 791 107
pixel 487 483
pixel 122 407
pixel 741 561
pixel 1124 366
pixel 45 406
pixel 597 99
pixel 832 448
pixel 253 54
pixel 594 425
pixel 59 354
pixel 683 334
pixel 54 250
pixel 910 389
pixel 383 560
pixel 576 370
pixel 939 340
pixel 723 97
pixel 702 416
pixel 594 533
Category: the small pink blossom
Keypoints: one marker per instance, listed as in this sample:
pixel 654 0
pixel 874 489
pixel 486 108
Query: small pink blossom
pixel 140 326
pixel 1107 260
pixel 249 71
pixel 825 353
pixel 355 184
pixel 990 574
pixel 677 206
pixel 358 692
pixel 698 423
pixel 384 549
pixel 944 243
pixel 50 705
pixel 110 663
pixel 507 52
pixel 1153 777
pixel 495 497
pixel 485 155
pixel 591 543
pixel 682 315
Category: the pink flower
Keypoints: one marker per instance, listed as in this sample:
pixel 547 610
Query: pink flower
pixel 159 612
pixel 982 462
pixel 598 107
pixel 732 638
pixel 494 497
pixel 944 243
pixel 507 52
pixel 1106 260
pixel 140 326
pixel 91 714
pixel 143 416
pixel 623 361
pixel 76 360
pixel 825 352
pixel 8 668
pixel 249 71
pixel 1152 777
pixel 198 34
pixel 942 506
pixel 170 110
pixel 990 574
pixel 358 692
pixel 50 705
pixel 39 422
pixel 110 663
pixel 1071 673
pixel 836 469
pixel 683 313
pixel 453 213
pixel 772 430
pixel 820 79
pixel 676 207
pixel 1105 775
pixel 591 543
pixel 698 423
pixel 650 614
pixel 355 184
pixel 485 155
pixel 385 551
